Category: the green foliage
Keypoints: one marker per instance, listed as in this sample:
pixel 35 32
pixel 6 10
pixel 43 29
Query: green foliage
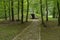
pixel 33 5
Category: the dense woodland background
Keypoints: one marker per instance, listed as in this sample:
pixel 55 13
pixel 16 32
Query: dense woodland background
pixel 21 9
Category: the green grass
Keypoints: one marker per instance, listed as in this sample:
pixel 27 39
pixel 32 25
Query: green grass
pixel 10 29
pixel 50 18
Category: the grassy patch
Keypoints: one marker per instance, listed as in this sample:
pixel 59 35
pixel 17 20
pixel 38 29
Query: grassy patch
pixel 10 29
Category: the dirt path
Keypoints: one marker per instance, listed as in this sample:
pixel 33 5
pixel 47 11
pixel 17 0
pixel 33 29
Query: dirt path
pixel 32 32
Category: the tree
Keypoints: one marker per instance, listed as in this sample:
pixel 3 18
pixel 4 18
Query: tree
pixel 54 12
pixel 27 10
pixel 46 11
pixel 41 11
pixel 5 10
pixel 58 12
pixel 12 10
pixel 9 11
pixel 22 11
pixel 18 9
pixel 42 14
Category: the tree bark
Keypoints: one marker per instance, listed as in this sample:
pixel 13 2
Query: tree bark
pixel 12 10
pixel 18 10
pixel 27 10
pixel 42 14
pixel 58 12
pixel 54 16
pixel 46 11
pixel 22 11
pixel 41 11
pixel 9 11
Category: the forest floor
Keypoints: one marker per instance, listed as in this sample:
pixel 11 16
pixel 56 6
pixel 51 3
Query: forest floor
pixel 51 32
pixel 32 32
pixel 36 31
pixel 8 30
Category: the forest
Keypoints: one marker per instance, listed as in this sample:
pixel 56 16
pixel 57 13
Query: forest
pixel 29 19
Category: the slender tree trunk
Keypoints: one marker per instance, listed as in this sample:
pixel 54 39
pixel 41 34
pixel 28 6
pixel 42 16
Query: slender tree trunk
pixel 58 12
pixel 42 14
pixel 12 10
pixel 46 11
pixel 9 11
pixel 27 10
pixel 54 13
pixel 5 10
pixel 18 10
pixel 41 11
pixel 22 11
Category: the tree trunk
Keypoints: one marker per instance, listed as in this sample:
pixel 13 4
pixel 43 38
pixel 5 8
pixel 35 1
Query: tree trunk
pixel 27 10
pixel 18 10
pixel 22 11
pixel 5 10
pixel 58 12
pixel 9 11
pixel 42 14
pixel 54 12
pixel 41 11
pixel 46 11
pixel 12 10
